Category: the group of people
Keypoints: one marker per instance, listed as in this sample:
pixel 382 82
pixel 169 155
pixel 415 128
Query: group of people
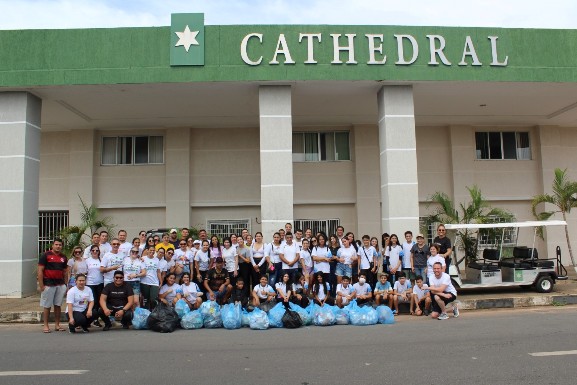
pixel 108 280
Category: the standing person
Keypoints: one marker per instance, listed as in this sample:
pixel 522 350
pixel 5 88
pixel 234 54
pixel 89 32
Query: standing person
pixel 355 264
pixel 244 264
pixel 393 254
pixel 340 233
pixel 183 256
pixel 384 263
pixel 258 260
pixel 173 237
pixel 346 256
pixel 443 292
pixel 322 257
pixel 116 300
pixel 407 247
pixel 94 279
pixel 184 233
pixel 306 260
pixel 334 245
pixel 419 253
pixel 136 243
pixel 149 242
pixel 150 283
pixel 202 262
pixel 445 249
pixel 76 265
pixel 80 304
pixel 202 235
pixel 105 247
pixel 215 249
pixel 52 269
pixel 308 233
pixel 368 260
pixel 95 241
pixel 162 263
pixel 230 260
pixel 125 246
pixel 289 257
pixel 111 261
pixel 272 254
pixel 217 283
pixel 142 237
pixel 134 270
pixel 165 244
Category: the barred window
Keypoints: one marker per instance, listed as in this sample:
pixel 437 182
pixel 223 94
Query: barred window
pixel 222 228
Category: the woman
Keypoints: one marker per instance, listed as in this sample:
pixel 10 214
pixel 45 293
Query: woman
pixel 142 237
pixel 321 291
pixel 248 240
pixel 149 242
pixel 136 243
pixel 183 257
pixel 375 244
pixel 347 256
pixel 445 249
pixel 230 260
pixel 202 262
pixel 190 292
pixel 306 260
pixel 314 242
pixel 149 284
pixel 244 264
pixel 95 279
pixel 384 265
pixel 76 265
pixel 273 252
pixel 258 260
pixel 133 269
pixel 284 290
pixel 300 290
pixel 322 257
pixel 162 263
pixel 334 246
pixel 80 304
pixel 394 256
pixel 170 263
pixel 170 292
pixel 355 266
pixel 215 249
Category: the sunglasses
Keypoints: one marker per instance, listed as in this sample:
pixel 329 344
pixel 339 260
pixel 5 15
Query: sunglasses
pixel 95 251
pixel 116 244
pixel 182 244
pixel 134 251
pixel 119 277
pixel 78 252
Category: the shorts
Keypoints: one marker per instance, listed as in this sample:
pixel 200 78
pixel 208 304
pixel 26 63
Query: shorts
pixel 402 299
pixel 135 285
pixel 343 270
pixel 436 307
pixel 219 294
pixel 52 296
pixel 308 270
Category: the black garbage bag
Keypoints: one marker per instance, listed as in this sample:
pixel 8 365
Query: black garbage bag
pixel 291 320
pixel 163 319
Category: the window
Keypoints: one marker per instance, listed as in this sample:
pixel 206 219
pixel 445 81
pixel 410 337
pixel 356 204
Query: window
pixel 503 145
pixel 321 146
pixel 49 225
pixel 327 226
pixel 132 150
pixel 429 231
pixel 494 237
pixel 222 228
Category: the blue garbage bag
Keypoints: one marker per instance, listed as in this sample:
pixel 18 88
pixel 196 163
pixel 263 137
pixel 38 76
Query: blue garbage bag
pixel 385 315
pixel 231 316
pixel 181 308
pixel 275 316
pixel 140 318
pixel 245 318
pixel 258 320
pixel 324 316
pixel 341 315
pixel 312 308
pixel 211 314
pixel 305 316
pixel 362 316
pixel 192 320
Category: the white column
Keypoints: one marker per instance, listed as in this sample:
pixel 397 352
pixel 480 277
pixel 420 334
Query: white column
pixel 19 167
pixel 178 177
pixel 276 167
pixel 398 160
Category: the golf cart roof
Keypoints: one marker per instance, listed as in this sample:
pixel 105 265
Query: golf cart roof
pixel 461 226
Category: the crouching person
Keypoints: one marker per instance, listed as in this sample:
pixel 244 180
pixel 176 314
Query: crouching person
pixel 116 300
pixel 421 298
pixel 79 302
pixel 443 292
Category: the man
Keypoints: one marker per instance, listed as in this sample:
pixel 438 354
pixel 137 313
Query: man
pixel 443 292
pixel 104 245
pixel 111 262
pixel 95 241
pixel 407 247
pixel 299 238
pixel 367 260
pixel 243 234
pixel 289 257
pixel 308 233
pixel 202 235
pixel 288 227
pixel 52 269
pixel 184 233
pixel 116 299
pixel 124 246
pixel 345 292
pixel 217 283
pixel 173 238
pixel 419 253
pixel 362 289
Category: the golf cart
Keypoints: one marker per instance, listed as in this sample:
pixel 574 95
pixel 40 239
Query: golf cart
pixel 500 266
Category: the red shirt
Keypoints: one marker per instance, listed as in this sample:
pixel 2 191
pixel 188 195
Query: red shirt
pixel 54 268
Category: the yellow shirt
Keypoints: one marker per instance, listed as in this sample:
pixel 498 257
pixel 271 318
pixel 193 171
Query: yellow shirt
pixel 165 247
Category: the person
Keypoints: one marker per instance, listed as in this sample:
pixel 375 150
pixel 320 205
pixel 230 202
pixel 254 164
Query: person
pixel 184 233
pixel 340 233
pixel 384 262
pixel 300 291
pixel 289 256
pixel 80 304
pixel 322 257
pixel 288 228
pixel 173 238
pixel 321 291
pixel 95 241
pixel 419 253
pixel 136 243
pixel 443 292
pixel 345 291
pixel 249 240
pixel 393 253
pixel 165 244
pixel 258 258
pixel 105 247
pixel 149 242
pixel 76 264
pixel 233 240
pixel 215 249
pixel 238 295
pixel 150 283
pixel 202 235
pixel 111 261
pixel 284 289
pixel 421 298
pixel 401 292
pixel 183 257
pixel 346 256
pixel 263 293
pixel 334 245
pixel 243 234
pixel 202 262
pixel 230 260
pixel 272 254
pixel 383 291
pixel 162 263
pixel 217 283
pixel 125 246
pixel 363 291
pixel 445 249
pixel 244 264
pixel 143 240
pixel 299 238
pixel 306 259
pixel 367 256
pixel 52 270
pixel 434 258
pixel 134 270
pixel 407 247
pixel 170 292
pixel 94 279
pixel 116 300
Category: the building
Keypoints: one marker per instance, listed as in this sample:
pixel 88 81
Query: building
pixel 265 124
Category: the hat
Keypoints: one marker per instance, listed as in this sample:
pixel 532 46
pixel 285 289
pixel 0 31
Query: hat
pixel 173 231
pixel 219 260
pixel 197 242
pixel 420 236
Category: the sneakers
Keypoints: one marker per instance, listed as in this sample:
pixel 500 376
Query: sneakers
pixel 71 329
pixel 455 310
pixel 85 330
pixel 395 313
pixel 97 324
pixel 106 328
pixel 443 316
pixel 426 313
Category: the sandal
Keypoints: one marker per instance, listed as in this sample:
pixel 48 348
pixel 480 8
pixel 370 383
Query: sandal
pixel 46 331
pixel 412 313
pixel 59 329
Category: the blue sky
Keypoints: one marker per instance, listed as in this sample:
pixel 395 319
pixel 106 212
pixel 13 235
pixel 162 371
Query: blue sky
pixel 26 14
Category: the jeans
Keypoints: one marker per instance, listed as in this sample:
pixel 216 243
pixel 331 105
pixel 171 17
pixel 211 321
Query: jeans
pixel 420 271
pixel 96 291
pixel 276 275
pixel 126 317
pixel 149 296
pixel 80 318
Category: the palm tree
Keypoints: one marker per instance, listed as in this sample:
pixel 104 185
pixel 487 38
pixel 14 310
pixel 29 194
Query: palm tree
pixel 478 210
pixel 564 198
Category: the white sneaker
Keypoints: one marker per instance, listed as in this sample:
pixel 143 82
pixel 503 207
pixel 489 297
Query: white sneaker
pixel 455 310
pixel 443 316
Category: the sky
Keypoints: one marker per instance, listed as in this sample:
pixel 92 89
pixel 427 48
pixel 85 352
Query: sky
pixel 56 14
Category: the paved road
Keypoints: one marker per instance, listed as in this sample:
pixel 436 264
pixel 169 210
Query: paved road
pixel 488 347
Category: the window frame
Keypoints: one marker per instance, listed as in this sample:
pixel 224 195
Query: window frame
pixel 118 140
pixel 319 146
pixel 502 148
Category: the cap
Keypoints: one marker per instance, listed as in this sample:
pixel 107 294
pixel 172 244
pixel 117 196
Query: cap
pixel 173 231
pixel 420 236
pixel 219 260
pixel 197 242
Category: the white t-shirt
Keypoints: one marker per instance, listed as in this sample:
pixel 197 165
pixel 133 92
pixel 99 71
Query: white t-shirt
pixel 131 266
pixel 348 254
pixel 94 276
pixel 87 253
pixel 125 249
pixel 77 266
pixel 367 255
pixel 105 248
pixel 290 254
pixel 152 266
pixel 407 254
pixel 273 251
pixel 190 292
pixel 282 287
pixel 169 297
pixel 321 294
pixel 445 279
pixel 400 289
pixel 79 298
pixel 431 261
pixel 110 260
pixel 261 292
pixel 203 260
pixel 421 292
pixel 362 289
pixel 183 257
pixel 162 265
pixel 229 256
pixel 306 258
pixel 324 252
pixel 394 256
pixel 345 290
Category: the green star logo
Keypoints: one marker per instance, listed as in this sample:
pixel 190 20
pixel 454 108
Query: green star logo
pixel 187 39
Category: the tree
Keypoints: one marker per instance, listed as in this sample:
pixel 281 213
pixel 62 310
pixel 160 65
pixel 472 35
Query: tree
pixel 564 198
pixel 478 210
pixel 73 235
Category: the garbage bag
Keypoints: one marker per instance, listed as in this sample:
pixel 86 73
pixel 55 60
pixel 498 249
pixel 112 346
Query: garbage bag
pixel 163 319
pixel 140 317
pixel 231 316
pixel 323 316
pixel 341 315
pixel 306 318
pixel 312 309
pixel 258 320
pixel 192 320
pixel 211 314
pixel 181 308
pixel 245 318
pixel 275 316
pixel 291 319
pixel 385 315
pixel 362 316
pixel 267 306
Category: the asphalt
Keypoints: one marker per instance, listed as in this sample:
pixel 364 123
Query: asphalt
pixel 28 310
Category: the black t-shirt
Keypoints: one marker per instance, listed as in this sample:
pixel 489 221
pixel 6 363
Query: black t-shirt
pixel 215 279
pixel 239 296
pixel 420 255
pixel 445 243
pixel 117 296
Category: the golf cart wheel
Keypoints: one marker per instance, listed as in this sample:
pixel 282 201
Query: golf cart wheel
pixel 544 284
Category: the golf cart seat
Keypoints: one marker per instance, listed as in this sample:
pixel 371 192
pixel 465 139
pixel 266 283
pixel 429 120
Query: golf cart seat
pixel 516 263
pixel 542 263
pixel 524 252
pixel 483 266
pixel 491 254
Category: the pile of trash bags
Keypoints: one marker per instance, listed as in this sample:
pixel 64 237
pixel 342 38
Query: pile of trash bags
pixel 166 319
